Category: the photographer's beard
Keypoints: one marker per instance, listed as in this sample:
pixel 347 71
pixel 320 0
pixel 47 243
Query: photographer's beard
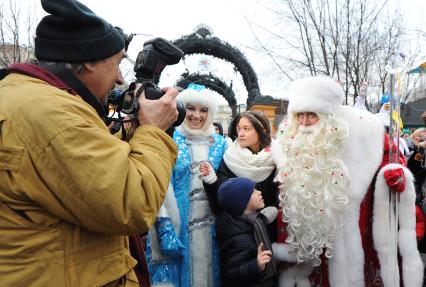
pixel 313 190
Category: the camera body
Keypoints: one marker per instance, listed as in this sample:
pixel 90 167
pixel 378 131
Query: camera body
pixel 155 56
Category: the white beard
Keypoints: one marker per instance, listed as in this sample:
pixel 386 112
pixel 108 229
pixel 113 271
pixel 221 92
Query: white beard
pixel 314 180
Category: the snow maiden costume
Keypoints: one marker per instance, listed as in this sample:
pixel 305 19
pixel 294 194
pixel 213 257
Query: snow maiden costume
pixel 182 249
pixel 356 252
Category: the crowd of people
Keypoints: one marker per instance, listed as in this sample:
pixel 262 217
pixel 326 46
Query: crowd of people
pixel 81 206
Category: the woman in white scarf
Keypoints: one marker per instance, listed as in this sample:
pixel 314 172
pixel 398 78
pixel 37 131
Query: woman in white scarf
pixel 249 156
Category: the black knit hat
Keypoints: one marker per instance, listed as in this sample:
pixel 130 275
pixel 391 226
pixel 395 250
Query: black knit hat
pixel 73 33
pixel 234 194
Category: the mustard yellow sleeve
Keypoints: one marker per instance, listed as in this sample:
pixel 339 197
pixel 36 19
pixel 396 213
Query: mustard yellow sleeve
pixel 105 184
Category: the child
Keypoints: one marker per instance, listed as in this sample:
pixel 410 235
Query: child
pixel 245 250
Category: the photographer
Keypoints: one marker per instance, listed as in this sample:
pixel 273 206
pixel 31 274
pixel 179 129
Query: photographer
pixel 70 192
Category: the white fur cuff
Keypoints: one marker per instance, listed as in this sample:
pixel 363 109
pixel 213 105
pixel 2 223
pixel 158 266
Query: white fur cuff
pixel 281 252
pixel 211 177
pixel 270 212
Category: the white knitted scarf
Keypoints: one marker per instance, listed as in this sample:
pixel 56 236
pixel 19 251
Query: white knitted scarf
pixel 242 162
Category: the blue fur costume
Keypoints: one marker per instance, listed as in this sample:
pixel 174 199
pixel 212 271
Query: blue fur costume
pixel 175 269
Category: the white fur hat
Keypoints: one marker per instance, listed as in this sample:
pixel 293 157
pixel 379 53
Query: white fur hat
pixel 205 98
pixel 315 94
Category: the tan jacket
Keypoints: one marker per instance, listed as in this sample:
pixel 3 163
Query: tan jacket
pixel 70 191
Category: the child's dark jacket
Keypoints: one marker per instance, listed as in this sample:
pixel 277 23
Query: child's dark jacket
pixel 238 253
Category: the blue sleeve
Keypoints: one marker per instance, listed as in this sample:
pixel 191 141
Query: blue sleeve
pixel 170 244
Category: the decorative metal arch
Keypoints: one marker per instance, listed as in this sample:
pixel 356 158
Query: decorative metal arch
pixel 212 82
pixel 202 42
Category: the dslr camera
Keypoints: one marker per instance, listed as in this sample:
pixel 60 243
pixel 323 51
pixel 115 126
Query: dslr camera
pixel 154 57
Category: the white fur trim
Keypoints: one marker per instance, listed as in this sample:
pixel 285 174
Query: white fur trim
pixel 287 277
pixel 362 155
pixel 412 266
pixel 211 177
pixel 207 130
pixel 206 98
pixel 363 149
pixel 338 264
pixel 384 117
pixel 315 94
pixel 281 252
pixel 296 275
pixel 163 212
pixel 305 282
pixel 302 277
pixel 200 240
pixel 270 212
pixel 168 209
pixel 277 153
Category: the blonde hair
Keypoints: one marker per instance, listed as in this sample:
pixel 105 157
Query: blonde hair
pixel 416 133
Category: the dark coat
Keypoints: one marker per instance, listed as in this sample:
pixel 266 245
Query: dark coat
pixel 268 188
pixel 238 253
pixel 415 164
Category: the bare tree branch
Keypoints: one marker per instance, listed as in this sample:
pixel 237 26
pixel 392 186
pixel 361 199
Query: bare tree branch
pixel 345 39
pixel 16 33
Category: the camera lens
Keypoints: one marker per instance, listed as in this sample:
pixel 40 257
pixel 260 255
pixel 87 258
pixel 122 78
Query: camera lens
pixel 128 100
pixel 180 106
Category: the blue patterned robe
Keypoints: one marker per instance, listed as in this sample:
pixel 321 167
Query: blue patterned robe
pixel 178 271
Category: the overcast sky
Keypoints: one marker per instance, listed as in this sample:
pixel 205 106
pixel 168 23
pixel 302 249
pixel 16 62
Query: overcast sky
pixel 172 19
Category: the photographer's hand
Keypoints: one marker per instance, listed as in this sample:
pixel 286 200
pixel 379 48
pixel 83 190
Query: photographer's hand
pixel 161 113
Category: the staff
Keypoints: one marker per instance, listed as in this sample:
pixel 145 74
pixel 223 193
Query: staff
pixel 396 61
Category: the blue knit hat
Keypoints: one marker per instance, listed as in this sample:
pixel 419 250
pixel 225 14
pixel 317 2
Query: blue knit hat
pixel 234 194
